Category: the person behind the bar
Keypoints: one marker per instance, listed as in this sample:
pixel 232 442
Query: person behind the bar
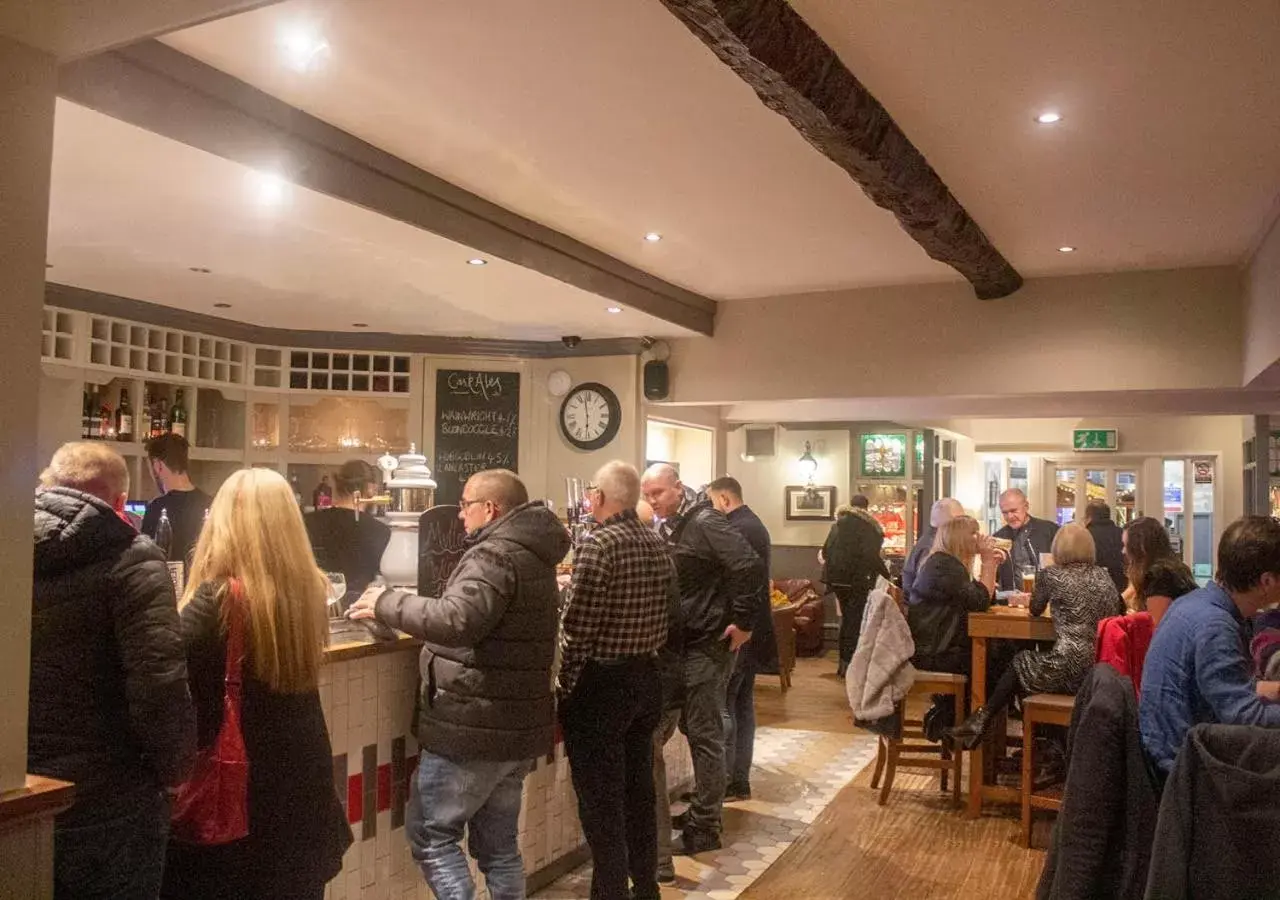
pixel 109 706
pixel 717 570
pixel 486 708
pixel 169 458
pixel 1198 667
pixel 615 622
pixel 344 538
pixel 760 654
pixel 297 830
pixel 1030 538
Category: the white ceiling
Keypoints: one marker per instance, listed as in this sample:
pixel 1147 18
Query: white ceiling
pixel 606 120
pixel 132 212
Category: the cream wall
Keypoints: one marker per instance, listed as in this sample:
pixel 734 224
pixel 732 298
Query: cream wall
pixel 763 479
pixel 27 84
pixel 1262 307
pixel 1118 332
pixel 692 447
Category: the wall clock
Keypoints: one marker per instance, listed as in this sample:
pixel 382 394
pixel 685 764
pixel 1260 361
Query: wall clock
pixel 590 416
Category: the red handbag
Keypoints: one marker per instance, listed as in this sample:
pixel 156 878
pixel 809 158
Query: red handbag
pixel 212 806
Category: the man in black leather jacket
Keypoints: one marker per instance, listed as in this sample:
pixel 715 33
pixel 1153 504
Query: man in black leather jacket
pixel 110 709
pixel 717 572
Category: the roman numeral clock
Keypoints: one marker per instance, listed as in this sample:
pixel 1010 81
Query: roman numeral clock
pixel 590 416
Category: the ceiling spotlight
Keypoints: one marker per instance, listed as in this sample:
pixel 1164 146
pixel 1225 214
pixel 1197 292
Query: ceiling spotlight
pixel 269 188
pixel 222 306
pixel 613 309
pixel 359 324
pixel 304 49
pixel 199 270
pixel 1049 117
pixel 653 237
pixel 1066 249
pixel 477 261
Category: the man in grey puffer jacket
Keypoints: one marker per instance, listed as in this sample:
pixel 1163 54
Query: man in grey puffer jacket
pixel 485 705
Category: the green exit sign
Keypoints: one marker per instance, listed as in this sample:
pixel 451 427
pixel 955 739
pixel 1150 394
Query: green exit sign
pixel 1095 439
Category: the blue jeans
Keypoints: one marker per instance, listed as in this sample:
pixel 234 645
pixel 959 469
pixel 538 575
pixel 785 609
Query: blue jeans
pixel 740 724
pixel 120 856
pixel 482 797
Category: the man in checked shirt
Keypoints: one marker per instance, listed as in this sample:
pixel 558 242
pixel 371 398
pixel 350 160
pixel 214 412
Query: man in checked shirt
pixel 610 699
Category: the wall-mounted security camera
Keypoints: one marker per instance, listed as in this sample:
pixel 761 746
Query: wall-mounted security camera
pixel 571 340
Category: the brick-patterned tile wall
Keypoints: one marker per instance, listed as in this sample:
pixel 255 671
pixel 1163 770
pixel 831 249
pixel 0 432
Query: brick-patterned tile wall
pixel 368 706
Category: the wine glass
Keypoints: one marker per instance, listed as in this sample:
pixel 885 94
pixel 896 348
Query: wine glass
pixel 337 591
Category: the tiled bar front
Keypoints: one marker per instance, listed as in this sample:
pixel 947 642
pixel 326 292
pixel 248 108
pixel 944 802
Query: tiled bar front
pixel 367 693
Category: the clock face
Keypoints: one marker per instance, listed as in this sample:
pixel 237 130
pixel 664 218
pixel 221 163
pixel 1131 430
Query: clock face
pixel 590 416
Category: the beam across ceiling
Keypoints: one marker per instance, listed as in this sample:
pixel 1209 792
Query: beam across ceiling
pixel 794 73
pixel 166 92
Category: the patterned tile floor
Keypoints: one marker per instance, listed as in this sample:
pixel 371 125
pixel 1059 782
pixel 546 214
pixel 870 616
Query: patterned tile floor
pixel 796 774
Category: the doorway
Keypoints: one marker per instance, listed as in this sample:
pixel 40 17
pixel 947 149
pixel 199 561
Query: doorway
pixel 689 448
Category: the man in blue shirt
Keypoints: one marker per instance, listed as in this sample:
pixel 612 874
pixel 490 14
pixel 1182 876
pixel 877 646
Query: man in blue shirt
pixel 1198 667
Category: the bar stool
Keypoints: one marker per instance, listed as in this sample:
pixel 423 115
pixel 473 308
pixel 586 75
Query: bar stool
pixel 908 747
pixel 1040 709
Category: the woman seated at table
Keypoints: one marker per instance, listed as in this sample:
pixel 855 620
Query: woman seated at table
pixel 1082 594
pixel 1157 574
pixel 945 592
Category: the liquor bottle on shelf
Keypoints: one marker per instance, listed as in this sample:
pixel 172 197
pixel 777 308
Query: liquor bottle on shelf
pixel 159 417
pixel 105 420
pixel 322 497
pixel 86 415
pixel 178 415
pixel 124 417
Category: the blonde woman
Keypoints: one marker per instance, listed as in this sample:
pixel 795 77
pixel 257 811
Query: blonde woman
pixel 1082 594
pixel 945 592
pixel 297 831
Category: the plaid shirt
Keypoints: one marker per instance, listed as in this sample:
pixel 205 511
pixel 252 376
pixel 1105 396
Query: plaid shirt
pixel 617 606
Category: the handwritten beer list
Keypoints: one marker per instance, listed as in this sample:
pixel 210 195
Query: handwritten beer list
pixel 477 426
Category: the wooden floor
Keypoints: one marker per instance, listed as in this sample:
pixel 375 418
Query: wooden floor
pixel 917 847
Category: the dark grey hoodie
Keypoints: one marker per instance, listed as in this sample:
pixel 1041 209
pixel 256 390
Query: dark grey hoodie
pixel 490 642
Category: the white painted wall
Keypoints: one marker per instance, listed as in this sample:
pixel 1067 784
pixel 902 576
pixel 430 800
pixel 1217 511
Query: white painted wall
pixel 763 480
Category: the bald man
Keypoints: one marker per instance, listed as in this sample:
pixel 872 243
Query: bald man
pixel 488 709
pixel 1030 537
pixel 718 573
pixel 940 513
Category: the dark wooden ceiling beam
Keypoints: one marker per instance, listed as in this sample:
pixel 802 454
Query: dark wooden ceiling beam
pixel 166 92
pixel 798 76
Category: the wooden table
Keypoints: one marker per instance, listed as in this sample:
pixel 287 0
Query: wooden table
pixel 1007 623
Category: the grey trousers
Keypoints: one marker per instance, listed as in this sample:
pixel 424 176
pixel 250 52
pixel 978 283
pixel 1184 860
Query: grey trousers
pixel 666 728
pixel 706 680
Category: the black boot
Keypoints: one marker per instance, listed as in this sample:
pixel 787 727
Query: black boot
pixel 969 733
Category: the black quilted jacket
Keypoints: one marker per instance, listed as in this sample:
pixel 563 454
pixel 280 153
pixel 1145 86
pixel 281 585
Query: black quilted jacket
pixel 110 709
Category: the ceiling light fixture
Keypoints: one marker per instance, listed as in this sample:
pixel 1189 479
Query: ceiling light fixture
pixel 1049 117
pixel 653 237
pixel 613 309
pixel 477 261
pixel 222 306
pixel 1066 249
pixel 304 49
pixel 269 188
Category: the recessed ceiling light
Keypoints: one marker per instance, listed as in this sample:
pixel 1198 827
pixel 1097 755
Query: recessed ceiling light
pixel 199 270
pixel 303 47
pixel 222 306
pixel 653 237
pixel 1066 249
pixel 269 188
pixel 613 309
pixel 1049 117
pixel 359 324
pixel 477 261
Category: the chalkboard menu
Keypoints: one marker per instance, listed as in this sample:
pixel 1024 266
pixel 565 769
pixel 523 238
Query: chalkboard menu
pixel 477 427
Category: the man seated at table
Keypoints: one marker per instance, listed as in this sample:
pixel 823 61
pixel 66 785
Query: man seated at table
pixel 1030 538
pixel 1198 668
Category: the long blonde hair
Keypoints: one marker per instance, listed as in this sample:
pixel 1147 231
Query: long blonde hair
pixel 959 538
pixel 255 533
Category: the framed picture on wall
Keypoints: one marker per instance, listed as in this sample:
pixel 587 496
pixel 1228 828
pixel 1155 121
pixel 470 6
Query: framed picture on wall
pixel 810 504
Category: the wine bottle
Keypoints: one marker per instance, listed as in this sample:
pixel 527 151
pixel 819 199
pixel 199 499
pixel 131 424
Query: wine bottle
pixel 159 418
pixel 124 417
pixel 178 415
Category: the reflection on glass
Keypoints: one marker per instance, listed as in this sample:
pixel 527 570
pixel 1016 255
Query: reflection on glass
pixel 1066 490
pixel 1124 509
pixel 1018 473
pixel 889 506
pixel 991 497
pixel 1202 519
pixel 1095 485
pixel 1174 479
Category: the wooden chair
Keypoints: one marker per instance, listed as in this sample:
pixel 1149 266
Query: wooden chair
pixel 909 749
pixel 784 630
pixel 1040 709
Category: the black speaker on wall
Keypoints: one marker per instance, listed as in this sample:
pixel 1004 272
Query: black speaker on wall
pixel 657 381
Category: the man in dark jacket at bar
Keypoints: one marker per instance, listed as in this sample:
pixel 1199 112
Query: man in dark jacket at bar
pixel 851 562
pixel 485 708
pixel 109 709
pixel 717 573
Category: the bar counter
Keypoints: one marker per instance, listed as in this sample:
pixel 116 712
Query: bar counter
pixel 367 691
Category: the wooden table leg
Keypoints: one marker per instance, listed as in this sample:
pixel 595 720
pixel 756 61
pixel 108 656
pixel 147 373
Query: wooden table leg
pixel 978 696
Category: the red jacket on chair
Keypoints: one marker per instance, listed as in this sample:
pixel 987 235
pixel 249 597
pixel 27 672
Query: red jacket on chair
pixel 1123 642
